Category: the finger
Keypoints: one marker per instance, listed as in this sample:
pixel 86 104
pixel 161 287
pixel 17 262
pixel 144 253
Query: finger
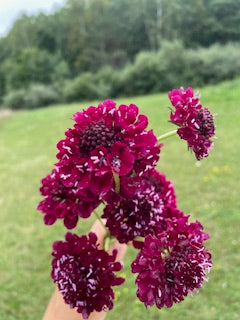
pixel 58 310
pixel 121 250
pixel 100 231
pixel 97 315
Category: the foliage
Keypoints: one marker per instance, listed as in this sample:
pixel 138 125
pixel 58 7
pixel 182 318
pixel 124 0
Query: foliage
pixel 2 83
pixel 81 88
pixel 150 72
pixel 90 34
pixel 37 95
pixel 32 65
pixel 143 76
pixel 149 45
pixel 106 80
pixel 218 63
pixel 15 99
pixel 172 66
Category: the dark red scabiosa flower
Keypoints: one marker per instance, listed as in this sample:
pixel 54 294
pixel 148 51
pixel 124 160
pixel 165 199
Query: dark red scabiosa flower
pixel 85 274
pixel 135 211
pixel 67 203
pixel 173 264
pixel 162 186
pixel 106 140
pixel 196 123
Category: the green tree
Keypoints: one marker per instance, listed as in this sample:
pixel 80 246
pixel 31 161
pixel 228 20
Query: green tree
pixel 32 65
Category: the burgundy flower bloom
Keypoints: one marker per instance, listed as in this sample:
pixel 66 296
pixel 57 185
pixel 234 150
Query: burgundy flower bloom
pixel 121 159
pixel 196 123
pixel 162 186
pixel 135 211
pixel 68 203
pixel 85 274
pixel 106 139
pixel 172 264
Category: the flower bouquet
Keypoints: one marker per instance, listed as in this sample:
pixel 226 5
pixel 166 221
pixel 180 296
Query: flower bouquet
pixel 109 157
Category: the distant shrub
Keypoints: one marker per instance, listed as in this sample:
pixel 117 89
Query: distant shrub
pixel 124 85
pixel 39 95
pixel 35 96
pixel 15 99
pixel 173 66
pixel 81 88
pixel 218 63
pixel 105 82
pixel 118 58
pixel 31 66
pixel 170 67
pixel 173 60
pixel 61 71
pixel 154 71
pixel 2 84
pixel 143 76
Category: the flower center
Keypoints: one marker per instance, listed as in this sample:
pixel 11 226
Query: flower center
pixel 206 124
pixel 155 183
pixel 95 135
pixel 145 208
pixel 116 163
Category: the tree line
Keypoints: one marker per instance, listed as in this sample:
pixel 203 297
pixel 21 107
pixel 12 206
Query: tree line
pixel 85 36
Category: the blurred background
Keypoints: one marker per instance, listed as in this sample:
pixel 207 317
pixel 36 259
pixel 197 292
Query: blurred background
pixel 69 54
pixel 64 51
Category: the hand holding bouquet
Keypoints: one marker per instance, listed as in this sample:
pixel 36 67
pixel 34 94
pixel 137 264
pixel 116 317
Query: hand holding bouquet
pixel 109 157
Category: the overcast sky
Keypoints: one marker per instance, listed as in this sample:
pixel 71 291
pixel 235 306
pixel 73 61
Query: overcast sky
pixel 11 9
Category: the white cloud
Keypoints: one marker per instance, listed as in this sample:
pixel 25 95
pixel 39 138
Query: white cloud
pixel 11 9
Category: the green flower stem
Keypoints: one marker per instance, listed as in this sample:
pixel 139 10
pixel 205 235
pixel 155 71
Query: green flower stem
pixel 100 220
pixel 107 243
pixel 139 239
pixel 108 236
pixel 117 182
pixel 166 135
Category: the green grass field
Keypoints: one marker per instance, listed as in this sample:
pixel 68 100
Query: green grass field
pixel 210 192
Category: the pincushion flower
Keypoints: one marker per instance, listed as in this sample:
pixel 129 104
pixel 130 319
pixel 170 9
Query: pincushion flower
pixel 163 187
pixel 173 264
pixel 141 207
pixel 84 273
pixel 67 203
pixel 106 140
pixel 196 123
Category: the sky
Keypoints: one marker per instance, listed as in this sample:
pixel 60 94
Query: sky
pixel 11 9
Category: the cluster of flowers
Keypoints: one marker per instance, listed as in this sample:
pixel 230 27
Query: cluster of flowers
pixel 110 157
pixel 196 123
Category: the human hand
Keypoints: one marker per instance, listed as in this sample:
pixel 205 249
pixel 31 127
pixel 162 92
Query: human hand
pixel 57 309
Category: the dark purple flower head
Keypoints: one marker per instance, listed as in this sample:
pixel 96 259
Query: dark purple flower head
pixel 85 274
pixel 196 123
pixel 135 211
pixel 68 203
pixel 106 140
pixel 172 264
pixel 162 186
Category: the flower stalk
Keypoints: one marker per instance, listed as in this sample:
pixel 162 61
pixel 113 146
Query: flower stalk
pixel 117 182
pixel 107 242
pixel 166 135
pixel 138 238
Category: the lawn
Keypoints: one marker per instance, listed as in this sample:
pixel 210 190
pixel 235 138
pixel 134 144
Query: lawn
pixel 209 191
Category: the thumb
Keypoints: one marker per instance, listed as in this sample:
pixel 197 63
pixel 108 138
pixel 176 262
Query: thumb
pixel 121 250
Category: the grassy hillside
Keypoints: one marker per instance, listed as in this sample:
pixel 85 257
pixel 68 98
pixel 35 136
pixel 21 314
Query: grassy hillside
pixel 210 192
